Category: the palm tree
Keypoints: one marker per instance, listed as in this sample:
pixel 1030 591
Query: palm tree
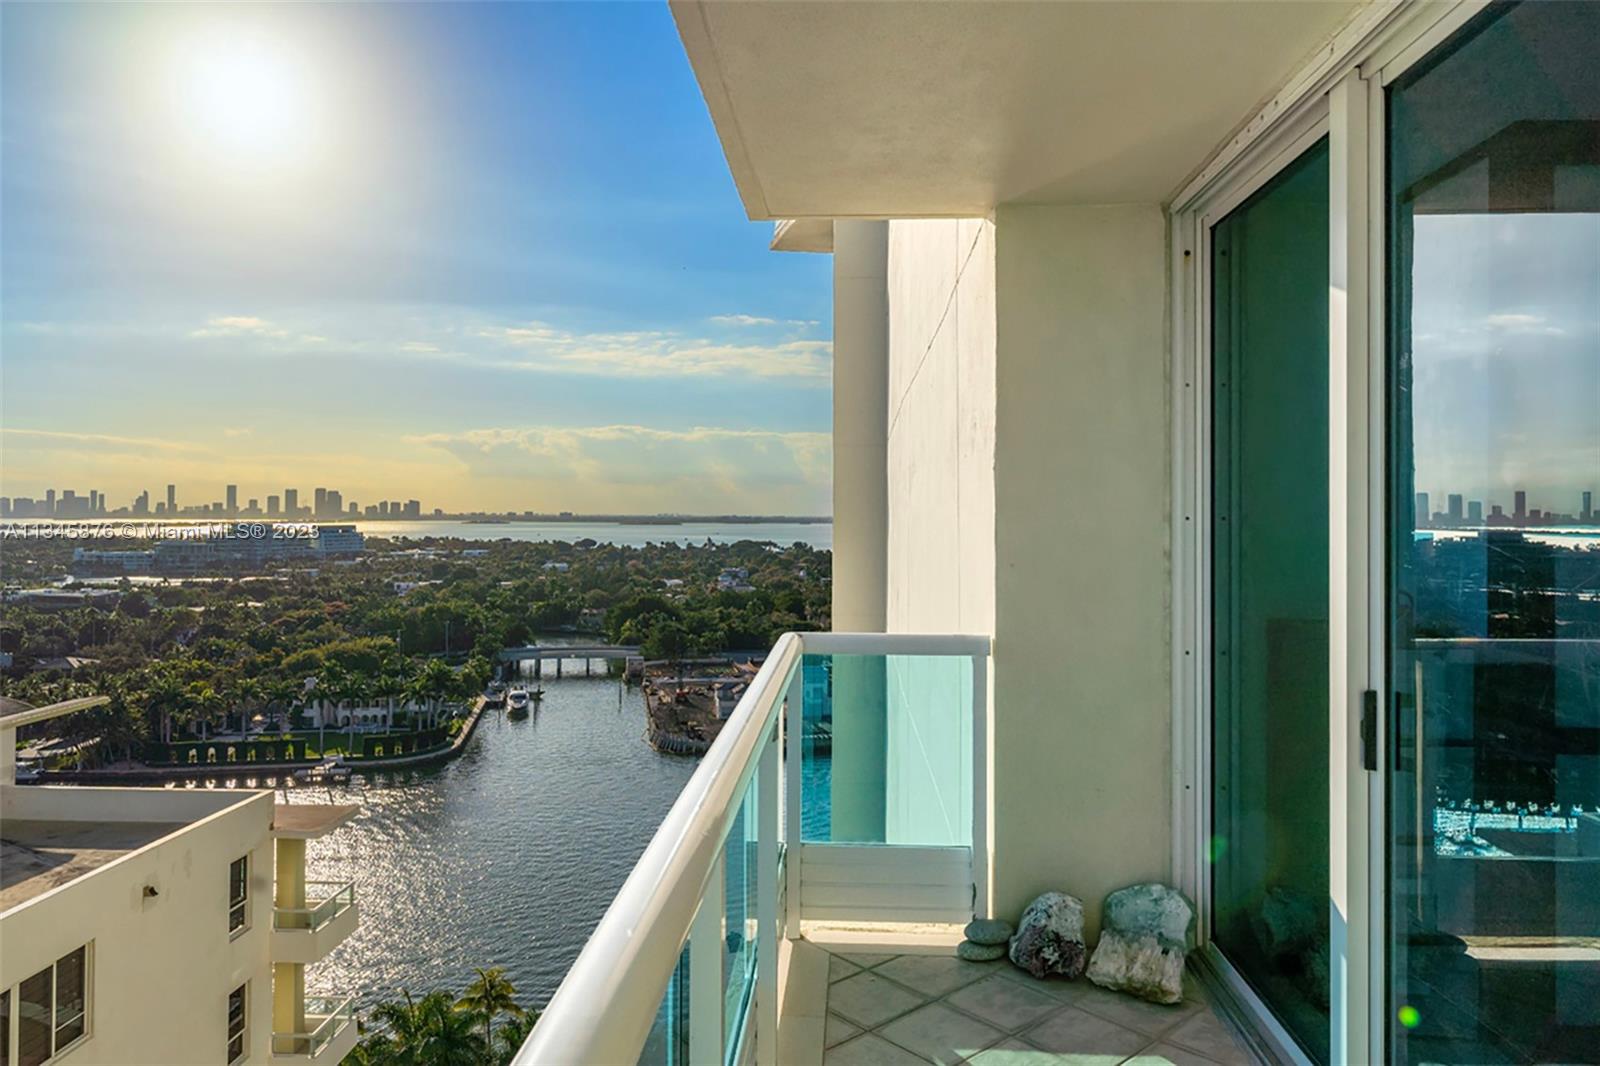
pixel 488 997
pixel 509 1038
pixel 424 1032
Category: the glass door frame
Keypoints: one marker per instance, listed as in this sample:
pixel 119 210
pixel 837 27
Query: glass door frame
pixel 1340 95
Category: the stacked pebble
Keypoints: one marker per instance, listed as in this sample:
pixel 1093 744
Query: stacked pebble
pixel 986 940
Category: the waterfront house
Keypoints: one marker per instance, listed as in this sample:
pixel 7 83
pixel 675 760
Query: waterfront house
pixel 161 925
pixel 1153 321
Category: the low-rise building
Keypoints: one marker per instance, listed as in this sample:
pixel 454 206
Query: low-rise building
pixel 172 926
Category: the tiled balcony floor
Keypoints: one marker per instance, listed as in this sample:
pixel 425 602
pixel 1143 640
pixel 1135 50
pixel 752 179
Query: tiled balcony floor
pixel 910 1009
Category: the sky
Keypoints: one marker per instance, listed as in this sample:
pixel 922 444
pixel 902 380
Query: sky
pixel 1505 328
pixel 488 256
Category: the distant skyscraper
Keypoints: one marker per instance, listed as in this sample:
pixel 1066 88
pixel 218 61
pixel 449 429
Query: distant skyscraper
pixel 94 501
pixel 233 499
pixel 1453 502
pixel 1475 512
pixel 1423 514
pixel 1520 510
pixel 49 501
pixel 1588 506
pixel 332 504
pixel 291 503
pixel 354 509
pixel 319 502
pixel 172 499
pixel 272 506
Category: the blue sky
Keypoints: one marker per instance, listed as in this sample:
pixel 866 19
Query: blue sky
pixel 485 255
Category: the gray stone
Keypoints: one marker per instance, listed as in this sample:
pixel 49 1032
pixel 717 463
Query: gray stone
pixel 1151 909
pixel 988 931
pixel 1139 965
pixel 973 951
pixel 1049 940
pixel 1145 936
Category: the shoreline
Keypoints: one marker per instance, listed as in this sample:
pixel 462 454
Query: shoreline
pixel 162 774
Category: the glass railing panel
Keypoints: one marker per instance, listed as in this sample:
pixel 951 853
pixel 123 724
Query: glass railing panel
pixel 887 749
pixel 668 1042
pixel 739 928
pixel 325 900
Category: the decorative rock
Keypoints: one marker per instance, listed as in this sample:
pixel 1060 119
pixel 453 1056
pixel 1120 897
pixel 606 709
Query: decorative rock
pixel 1151 909
pixel 973 951
pixel 1145 937
pixel 1049 940
pixel 1139 965
pixel 988 931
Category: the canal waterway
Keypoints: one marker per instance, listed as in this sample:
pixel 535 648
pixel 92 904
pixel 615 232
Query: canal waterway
pixel 506 856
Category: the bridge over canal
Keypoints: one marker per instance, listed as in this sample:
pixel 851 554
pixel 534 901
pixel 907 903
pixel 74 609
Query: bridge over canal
pixel 508 660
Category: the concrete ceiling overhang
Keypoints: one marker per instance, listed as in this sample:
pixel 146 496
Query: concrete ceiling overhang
pixel 886 109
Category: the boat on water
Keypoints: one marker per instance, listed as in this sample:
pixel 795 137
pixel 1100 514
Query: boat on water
pixel 328 771
pixel 517 703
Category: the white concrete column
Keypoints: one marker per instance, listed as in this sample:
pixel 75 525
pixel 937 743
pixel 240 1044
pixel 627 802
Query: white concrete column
pixel 860 425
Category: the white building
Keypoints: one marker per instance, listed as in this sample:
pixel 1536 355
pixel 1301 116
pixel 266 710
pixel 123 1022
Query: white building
pixel 1150 320
pixel 163 926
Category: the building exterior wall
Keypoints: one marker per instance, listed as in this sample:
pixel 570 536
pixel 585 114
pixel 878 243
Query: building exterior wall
pixel 1082 677
pixel 941 426
pixel 860 405
pixel 160 967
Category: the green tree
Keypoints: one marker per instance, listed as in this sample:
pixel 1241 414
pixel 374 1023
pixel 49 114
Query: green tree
pixel 489 996
pixel 422 1032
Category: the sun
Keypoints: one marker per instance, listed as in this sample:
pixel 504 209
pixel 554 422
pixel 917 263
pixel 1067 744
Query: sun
pixel 244 100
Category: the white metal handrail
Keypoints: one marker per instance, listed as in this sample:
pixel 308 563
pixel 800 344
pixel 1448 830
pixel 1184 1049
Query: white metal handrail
pixel 335 1013
pixel 325 901
pixel 607 1003
pixel 605 1007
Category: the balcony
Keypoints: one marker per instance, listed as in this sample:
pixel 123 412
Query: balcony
pixel 308 933
pixel 328 1035
pixel 848 785
pixel 848 791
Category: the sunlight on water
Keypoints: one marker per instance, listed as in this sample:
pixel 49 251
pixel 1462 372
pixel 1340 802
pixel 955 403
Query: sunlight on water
pixel 507 856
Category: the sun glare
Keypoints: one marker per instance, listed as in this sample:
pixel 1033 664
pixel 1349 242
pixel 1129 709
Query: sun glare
pixel 244 101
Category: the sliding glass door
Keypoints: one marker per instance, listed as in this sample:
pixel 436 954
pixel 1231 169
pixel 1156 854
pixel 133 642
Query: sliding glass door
pixel 1269 611
pixel 1494 543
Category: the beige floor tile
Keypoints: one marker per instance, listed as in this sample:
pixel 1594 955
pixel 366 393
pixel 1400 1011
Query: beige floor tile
pixel 1073 1032
pixel 1008 1005
pixel 1168 1055
pixel 800 1041
pixel 869 1000
pixel 933 975
pixel 869 1050
pixel 839 1031
pixel 864 961
pixel 1057 988
pixel 840 967
pixel 1130 1012
pixel 940 1035
pixel 1206 1034
pixel 1013 1052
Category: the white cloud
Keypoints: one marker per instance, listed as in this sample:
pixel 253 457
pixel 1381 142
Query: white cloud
pixel 638 468
pixel 538 347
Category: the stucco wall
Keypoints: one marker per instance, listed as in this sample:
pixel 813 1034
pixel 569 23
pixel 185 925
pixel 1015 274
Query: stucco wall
pixel 1082 498
pixel 160 967
pixel 941 426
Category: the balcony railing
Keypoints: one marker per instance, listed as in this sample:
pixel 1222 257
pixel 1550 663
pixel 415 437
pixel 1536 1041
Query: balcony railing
pixel 326 1018
pixel 325 901
pixel 849 783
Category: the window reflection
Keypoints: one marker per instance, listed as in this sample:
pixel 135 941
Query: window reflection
pixel 1495 544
